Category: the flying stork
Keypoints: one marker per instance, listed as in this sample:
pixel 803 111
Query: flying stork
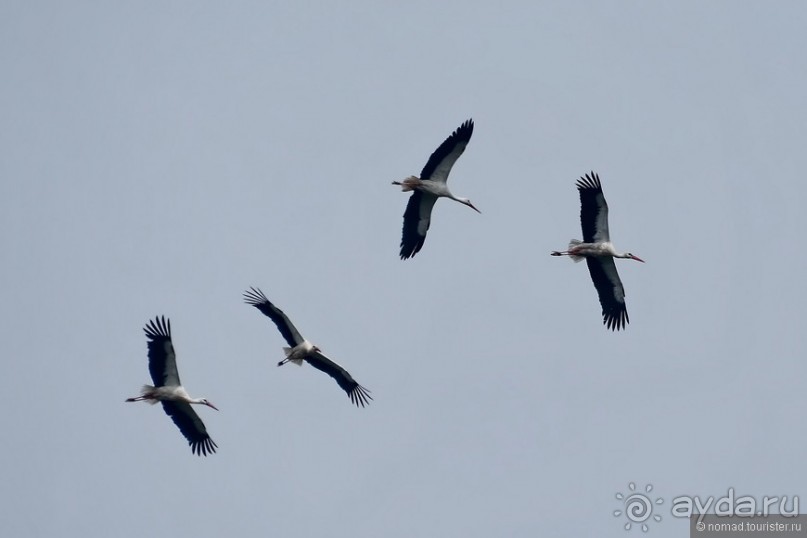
pixel 168 390
pixel 303 350
pixel 599 253
pixel 431 185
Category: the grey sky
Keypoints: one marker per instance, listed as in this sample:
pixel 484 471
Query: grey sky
pixel 159 158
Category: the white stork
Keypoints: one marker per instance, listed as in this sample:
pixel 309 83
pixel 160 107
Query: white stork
pixel 431 185
pixel 599 253
pixel 303 350
pixel 168 390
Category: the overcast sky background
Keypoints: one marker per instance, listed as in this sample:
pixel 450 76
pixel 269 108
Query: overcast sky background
pixel 160 158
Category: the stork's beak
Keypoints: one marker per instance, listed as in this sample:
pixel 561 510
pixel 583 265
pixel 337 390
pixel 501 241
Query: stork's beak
pixel 213 406
pixel 474 207
pixel 637 258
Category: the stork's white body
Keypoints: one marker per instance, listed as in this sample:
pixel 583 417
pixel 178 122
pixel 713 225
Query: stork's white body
pixel 299 352
pixel 153 394
pixel 437 188
pixel 579 250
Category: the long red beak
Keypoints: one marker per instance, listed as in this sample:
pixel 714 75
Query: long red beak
pixel 213 406
pixel 638 259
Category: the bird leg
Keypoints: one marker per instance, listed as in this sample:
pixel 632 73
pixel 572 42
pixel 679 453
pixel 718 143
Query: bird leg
pixel 573 252
pixel 149 399
pixel 147 393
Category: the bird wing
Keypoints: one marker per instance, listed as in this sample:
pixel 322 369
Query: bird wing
pixel 609 287
pixel 358 394
pixel 256 298
pixel 444 157
pixel 416 221
pixel 162 359
pixel 191 427
pixel 593 209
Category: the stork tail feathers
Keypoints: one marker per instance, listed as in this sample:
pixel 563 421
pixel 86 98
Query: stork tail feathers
pixel 147 391
pixel 573 243
pixel 287 351
pixel 407 184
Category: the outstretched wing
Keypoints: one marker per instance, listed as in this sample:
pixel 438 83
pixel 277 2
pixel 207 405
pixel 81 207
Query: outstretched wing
pixel 162 359
pixel 439 164
pixel 416 221
pixel 593 209
pixel 358 394
pixel 256 298
pixel 191 427
pixel 609 287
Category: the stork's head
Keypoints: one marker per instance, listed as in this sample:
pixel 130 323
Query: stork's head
pixel 632 257
pixel 316 349
pixel 467 202
pixel 204 401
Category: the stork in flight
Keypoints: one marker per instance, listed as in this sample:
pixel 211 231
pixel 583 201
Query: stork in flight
pixel 431 185
pixel 168 390
pixel 599 253
pixel 303 350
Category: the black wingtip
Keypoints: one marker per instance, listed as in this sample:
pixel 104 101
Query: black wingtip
pixel 589 181
pixel 410 252
pixel 254 296
pixel 360 396
pixel 617 321
pixel 467 128
pixel 204 447
pixel 463 133
pixel 159 327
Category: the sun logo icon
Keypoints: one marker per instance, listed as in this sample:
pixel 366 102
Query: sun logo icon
pixel 638 508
